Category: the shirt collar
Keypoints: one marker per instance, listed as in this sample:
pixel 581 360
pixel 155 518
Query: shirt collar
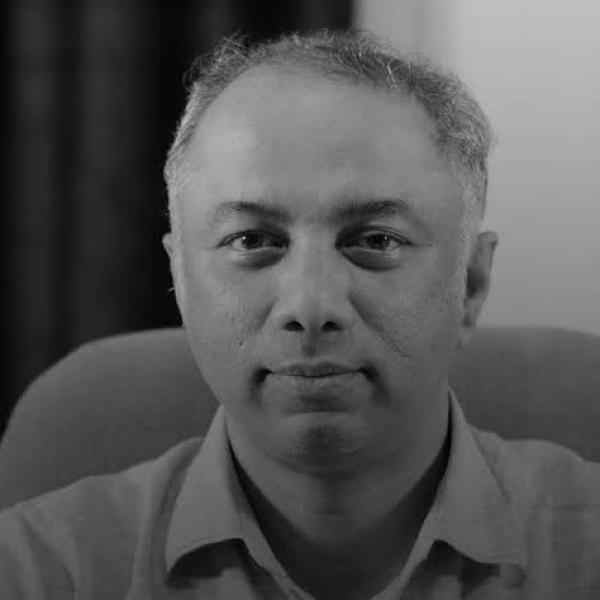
pixel 470 510
pixel 212 507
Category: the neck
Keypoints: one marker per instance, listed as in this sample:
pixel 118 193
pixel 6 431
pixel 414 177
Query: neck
pixel 362 527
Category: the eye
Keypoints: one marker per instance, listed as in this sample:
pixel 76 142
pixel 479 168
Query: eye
pixel 378 241
pixel 252 240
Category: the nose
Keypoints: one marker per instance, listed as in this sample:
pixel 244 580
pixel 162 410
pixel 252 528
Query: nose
pixel 314 293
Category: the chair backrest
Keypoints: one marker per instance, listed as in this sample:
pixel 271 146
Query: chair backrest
pixel 128 398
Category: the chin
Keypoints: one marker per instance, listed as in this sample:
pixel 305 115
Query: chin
pixel 323 442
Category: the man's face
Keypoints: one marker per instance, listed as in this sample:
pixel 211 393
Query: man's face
pixel 292 276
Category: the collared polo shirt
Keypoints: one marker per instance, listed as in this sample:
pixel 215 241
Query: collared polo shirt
pixel 518 519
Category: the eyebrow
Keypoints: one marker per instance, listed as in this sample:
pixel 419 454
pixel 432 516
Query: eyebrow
pixel 342 211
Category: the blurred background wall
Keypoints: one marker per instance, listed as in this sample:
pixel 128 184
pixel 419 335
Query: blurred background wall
pixel 535 68
pixel 94 90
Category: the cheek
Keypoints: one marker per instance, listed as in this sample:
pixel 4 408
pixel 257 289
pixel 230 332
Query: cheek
pixel 441 316
pixel 222 327
pixel 220 317
pixel 417 315
pixel 217 318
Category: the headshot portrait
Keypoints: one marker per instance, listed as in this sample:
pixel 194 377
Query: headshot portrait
pixel 326 417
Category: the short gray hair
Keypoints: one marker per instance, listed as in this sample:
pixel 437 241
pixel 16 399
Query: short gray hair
pixel 462 133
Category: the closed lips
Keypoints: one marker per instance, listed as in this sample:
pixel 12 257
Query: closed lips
pixel 316 370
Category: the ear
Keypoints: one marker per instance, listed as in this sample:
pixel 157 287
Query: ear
pixel 176 263
pixel 478 279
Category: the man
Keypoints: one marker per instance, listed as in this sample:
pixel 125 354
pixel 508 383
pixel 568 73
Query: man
pixel 326 197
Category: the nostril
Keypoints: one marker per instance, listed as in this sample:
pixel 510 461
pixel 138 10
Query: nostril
pixel 368 372
pixel 260 375
pixel 296 326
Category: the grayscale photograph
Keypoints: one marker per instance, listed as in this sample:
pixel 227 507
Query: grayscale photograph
pixel 302 300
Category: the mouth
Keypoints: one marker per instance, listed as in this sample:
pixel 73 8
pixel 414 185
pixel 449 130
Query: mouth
pixel 323 386
pixel 317 393
pixel 315 374
pixel 315 369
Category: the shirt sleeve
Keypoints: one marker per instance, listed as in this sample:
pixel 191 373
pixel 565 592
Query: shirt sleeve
pixel 30 563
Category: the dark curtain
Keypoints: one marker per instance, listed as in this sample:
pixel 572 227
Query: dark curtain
pixel 94 89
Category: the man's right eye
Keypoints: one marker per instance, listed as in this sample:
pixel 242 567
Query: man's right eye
pixel 249 241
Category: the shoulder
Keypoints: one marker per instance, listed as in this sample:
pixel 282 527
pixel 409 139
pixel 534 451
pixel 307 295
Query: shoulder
pixel 555 497
pixel 540 473
pixel 123 495
pixel 61 533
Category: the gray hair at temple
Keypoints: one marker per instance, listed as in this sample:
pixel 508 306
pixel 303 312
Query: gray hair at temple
pixel 461 131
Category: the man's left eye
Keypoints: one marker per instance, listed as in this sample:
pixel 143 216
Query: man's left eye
pixel 378 241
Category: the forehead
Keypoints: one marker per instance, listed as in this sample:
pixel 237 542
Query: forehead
pixel 306 140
